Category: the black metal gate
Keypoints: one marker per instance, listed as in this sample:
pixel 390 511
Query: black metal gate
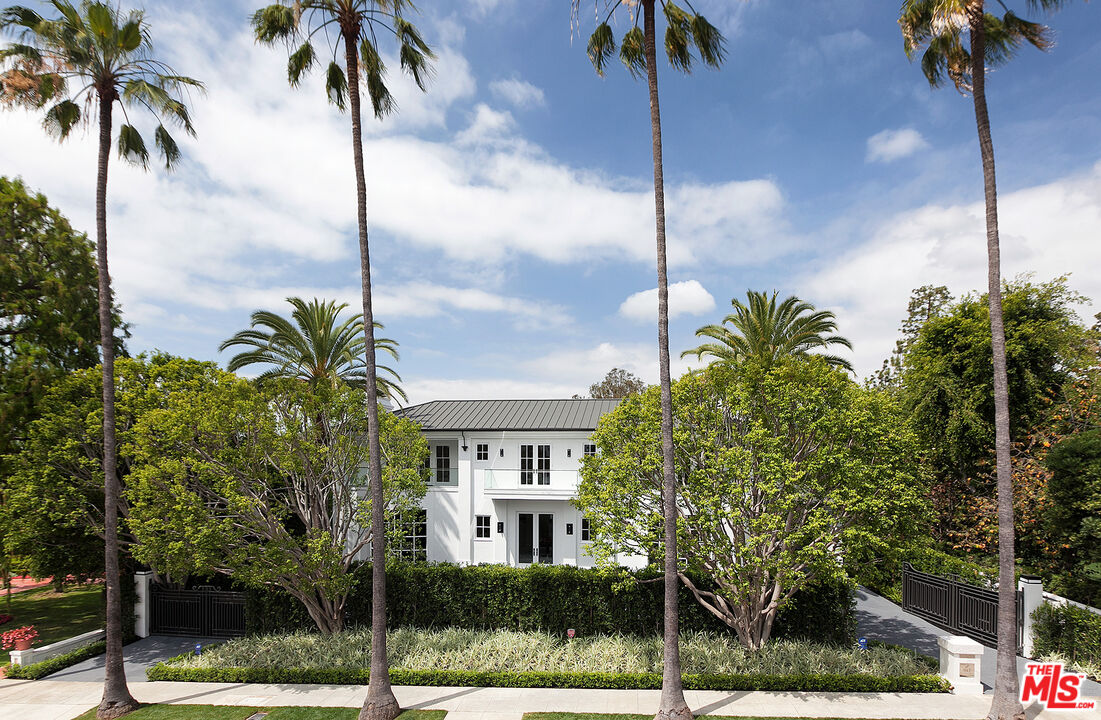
pixel 205 612
pixel 955 606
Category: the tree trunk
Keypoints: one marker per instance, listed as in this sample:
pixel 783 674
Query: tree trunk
pixel 380 703
pixel 673 706
pixel 117 700
pixel 1006 702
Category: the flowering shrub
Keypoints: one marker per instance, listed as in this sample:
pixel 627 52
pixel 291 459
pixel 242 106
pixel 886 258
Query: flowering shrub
pixel 5 619
pixel 11 637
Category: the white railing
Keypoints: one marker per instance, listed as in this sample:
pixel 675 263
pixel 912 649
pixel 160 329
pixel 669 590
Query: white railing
pixel 533 481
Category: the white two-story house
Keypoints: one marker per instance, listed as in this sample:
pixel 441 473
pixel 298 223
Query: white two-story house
pixel 502 474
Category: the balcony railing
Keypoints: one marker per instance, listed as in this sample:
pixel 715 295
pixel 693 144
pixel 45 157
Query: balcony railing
pixel 532 481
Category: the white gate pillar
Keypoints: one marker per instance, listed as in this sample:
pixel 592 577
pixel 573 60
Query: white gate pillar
pixel 961 663
pixel 1032 597
pixel 143 607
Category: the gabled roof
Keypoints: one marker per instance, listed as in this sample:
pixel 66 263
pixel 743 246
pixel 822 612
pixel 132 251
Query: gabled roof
pixel 579 414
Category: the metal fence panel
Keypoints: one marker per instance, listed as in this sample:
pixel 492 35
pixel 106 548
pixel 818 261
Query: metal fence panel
pixel 203 613
pixel 955 606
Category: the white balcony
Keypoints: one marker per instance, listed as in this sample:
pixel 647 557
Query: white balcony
pixel 530 484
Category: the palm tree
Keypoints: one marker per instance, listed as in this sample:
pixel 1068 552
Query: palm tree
pixel 317 347
pixel 766 330
pixel 638 51
pixel 939 27
pixel 104 56
pixel 351 28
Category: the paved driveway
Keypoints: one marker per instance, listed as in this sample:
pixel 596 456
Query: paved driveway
pixel 877 618
pixel 137 656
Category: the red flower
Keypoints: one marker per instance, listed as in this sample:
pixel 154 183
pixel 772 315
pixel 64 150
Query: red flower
pixel 11 637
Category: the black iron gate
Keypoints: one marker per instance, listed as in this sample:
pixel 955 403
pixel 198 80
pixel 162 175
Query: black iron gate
pixel 955 606
pixel 205 612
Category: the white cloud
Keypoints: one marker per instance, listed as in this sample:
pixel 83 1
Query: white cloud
pixel 685 298
pixel 1049 230
pixel 520 93
pixel 891 145
pixel 487 126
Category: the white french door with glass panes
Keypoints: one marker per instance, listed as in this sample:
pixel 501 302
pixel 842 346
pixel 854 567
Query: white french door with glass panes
pixel 535 538
pixel 535 464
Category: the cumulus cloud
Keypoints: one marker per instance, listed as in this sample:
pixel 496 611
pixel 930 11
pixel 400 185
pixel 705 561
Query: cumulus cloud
pixel 685 298
pixel 519 93
pixel 1050 230
pixel 890 145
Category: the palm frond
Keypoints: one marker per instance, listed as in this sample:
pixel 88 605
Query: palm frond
pixel 632 53
pixel 62 118
pixel 131 146
pixel 167 146
pixel 601 47
pixel 274 22
pixel 300 62
pixel 374 71
pixel 336 86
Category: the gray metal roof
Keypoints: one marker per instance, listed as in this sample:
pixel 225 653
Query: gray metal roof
pixel 579 414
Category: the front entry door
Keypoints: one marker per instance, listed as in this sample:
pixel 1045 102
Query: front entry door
pixel 535 538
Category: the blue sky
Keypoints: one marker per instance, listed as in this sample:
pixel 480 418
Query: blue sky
pixel 511 210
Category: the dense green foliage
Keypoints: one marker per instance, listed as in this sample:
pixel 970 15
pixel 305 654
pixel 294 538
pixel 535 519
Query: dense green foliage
pixel 945 384
pixel 39 670
pixel 1073 509
pixel 265 484
pixel 56 489
pixel 550 599
pixel 782 470
pixel 593 680
pixel 1071 633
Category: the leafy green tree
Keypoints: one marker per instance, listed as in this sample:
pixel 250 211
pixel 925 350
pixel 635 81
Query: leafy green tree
pixel 763 329
pixel 56 488
pixel 92 56
pixel 946 385
pixel 317 347
pixel 783 469
pixel 617 383
pixel 266 485
pixel 638 51
pixel 937 29
pixel 926 302
pixel 350 29
pixel 1073 505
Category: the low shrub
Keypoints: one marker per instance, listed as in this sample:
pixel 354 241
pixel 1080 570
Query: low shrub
pixel 510 651
pixel 39 670
pixel 808 682
pixel 1071 634
pixel 549 598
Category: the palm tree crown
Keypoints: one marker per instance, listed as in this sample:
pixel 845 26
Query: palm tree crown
pixel 766 330
pixel 356 21
pixel 314 346
pixel 106 57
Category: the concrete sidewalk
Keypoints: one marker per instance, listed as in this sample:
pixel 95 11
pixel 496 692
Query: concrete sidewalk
pixel 54 700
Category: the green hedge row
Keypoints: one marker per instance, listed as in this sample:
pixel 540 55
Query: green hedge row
pixel 549 598
pixel 1068 631
pixel 615 681
pixel 39 670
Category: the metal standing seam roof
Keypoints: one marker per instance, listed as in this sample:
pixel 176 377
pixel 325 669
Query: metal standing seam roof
pixel 574 414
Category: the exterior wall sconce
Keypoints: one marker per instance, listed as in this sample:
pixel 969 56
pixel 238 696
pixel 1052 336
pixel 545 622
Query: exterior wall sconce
pixel 569 528
pixel 502 452
pixel 500 528
pixel 569 452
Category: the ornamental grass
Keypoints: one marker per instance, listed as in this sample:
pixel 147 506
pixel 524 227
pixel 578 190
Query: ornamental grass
pixel 508 651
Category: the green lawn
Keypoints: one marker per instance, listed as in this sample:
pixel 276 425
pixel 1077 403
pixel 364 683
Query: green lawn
pixel 56 616
pixel 226 712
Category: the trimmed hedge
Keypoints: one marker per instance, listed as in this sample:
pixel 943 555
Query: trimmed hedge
pixel 549 598
pixel 615 681
pixel 39 670
pixel 1068 631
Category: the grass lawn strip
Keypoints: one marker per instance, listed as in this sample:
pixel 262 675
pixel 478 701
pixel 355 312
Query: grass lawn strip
pixel 232 712
pixel 56 616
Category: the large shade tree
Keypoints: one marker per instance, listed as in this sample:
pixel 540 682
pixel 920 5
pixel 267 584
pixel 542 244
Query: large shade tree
pixel 88 58
pixel 761 328
pixel 959 41
pixel 685 31
pixel 352 30
pixel 315 346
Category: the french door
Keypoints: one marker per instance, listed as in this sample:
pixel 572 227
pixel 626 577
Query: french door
pixel 535 538
pixel 535 464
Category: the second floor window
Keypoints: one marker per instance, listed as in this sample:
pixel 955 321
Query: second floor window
pixel 481 527
pixel 586 530
pixel 482 452
pixel 535 469
pixel 589 450
pixel 443 464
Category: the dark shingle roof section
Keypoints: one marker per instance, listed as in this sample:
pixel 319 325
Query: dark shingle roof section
pixel 578 414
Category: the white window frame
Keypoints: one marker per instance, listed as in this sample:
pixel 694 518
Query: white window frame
pixel 586 530
pixel 478 527
pixel 481 451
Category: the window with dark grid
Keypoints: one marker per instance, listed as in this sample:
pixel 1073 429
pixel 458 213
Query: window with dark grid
pixel 443 463
pixel 482 452
pixel 586 531
pixel 589 450
pixel 413 544
pixel 481 527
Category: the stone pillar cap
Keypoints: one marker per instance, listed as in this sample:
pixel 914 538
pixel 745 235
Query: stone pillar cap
pixel 958 644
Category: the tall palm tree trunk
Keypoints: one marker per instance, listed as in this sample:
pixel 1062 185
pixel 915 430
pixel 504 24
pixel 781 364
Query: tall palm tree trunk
pixel 380 703
pixel 673 705
pixel 117 700
pixel 1006 702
